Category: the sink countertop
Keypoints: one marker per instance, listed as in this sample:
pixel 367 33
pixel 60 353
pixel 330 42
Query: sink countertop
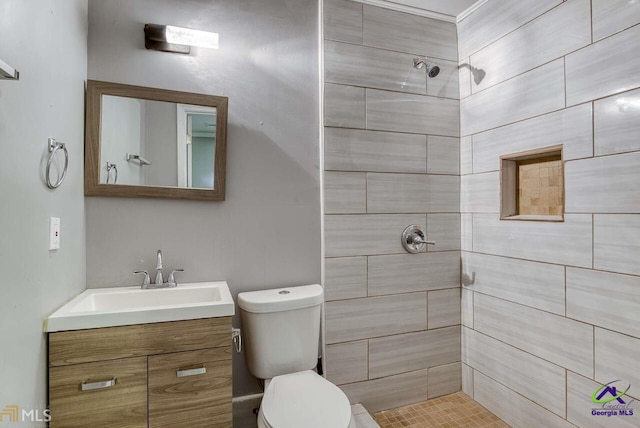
pixel 118 306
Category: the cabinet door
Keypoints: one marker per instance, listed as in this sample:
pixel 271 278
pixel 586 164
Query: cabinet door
pixel 191 389
pixel 109 394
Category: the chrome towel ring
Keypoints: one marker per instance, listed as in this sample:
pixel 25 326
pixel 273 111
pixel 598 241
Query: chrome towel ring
pixel 114 167
pixel 53 147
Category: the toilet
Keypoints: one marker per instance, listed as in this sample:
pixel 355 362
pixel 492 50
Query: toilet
pixel 281 329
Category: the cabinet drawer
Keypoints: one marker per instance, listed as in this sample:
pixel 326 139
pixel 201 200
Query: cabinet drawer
pixel 110 343
pixel 191 389
pixel 114 395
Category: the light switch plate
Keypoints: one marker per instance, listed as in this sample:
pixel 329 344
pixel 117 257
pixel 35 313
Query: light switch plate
pixel 54 233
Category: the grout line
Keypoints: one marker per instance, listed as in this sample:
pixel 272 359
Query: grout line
pixel 564 76
pixel 352 128
pixel 591 19
pixel 565 291
pixel 594 352
pixel 452 327
pixel 395 91
pixel 512 31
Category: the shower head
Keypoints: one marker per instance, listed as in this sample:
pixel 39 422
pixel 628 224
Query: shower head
pixel 432 69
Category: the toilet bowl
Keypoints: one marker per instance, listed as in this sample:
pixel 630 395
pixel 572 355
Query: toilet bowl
pixel 304 399
pixel 281 330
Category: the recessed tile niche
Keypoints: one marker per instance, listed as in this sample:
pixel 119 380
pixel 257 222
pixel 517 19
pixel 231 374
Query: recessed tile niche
pixel 532 185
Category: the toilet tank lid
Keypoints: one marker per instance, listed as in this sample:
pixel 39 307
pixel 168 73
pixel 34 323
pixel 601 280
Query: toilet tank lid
pixel 281 299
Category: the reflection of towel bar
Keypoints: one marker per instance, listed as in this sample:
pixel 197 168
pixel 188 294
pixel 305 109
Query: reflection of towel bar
pixel 142 160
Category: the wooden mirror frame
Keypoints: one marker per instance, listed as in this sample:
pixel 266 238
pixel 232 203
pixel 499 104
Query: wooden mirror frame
pixel 93 131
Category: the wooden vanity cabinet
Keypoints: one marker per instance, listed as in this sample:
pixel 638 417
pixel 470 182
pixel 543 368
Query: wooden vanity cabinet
pixel 170 374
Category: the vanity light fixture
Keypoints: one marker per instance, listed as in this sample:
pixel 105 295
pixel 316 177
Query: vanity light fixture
pixel 168 38
pixel 7 72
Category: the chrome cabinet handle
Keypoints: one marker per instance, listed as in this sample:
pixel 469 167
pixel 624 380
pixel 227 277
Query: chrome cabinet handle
pixel 191 372
pixel 90 386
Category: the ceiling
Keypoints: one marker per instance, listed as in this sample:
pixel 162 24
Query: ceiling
pixel 447 10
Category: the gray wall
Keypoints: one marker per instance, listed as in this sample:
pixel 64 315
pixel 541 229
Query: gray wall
pixel 391 160
pixel 554 309
pixel 47 101
pixel 160 127
pixel 267 232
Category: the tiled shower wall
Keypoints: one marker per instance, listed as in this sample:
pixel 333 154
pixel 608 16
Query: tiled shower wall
pixel 391 160
pixel 551 310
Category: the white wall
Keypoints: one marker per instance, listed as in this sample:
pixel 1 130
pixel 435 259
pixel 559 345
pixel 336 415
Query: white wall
pixel 267 232
pixel 46 41
pixel 121 133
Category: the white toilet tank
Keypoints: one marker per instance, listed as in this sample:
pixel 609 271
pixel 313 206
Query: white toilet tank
pixel 281 328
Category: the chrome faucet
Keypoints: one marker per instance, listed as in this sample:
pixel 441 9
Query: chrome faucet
pixel 159 279
pixel 171 281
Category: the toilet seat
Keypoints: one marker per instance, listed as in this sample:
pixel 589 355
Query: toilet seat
pixel 304 399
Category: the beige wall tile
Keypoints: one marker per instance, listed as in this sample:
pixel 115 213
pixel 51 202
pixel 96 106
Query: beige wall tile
pixel 464 77
pixel 571 127
pixel 403 273
pixel 605 184
pixel 342 21
pixel 617 55
pixel 412 193
pixel 605 299
pixel 466 232
pixel 445 230
pixel 466 155
pixel 347 362
pixel 443 155
pixel 345 278
pixel 467 380
pixel 345 192
pixel 466 307
pixel 540 285
pixel 361 235
pixel 616 243
pixel 397 31
pixel 446 84
pixel 567 242
pixel 359 150
pixel 617 123
pixel 495 19
pixel 443 308
pixel 344 106
pixel 373 68
pixel 611 16
pixel 542 88
pixel 557 339
pixel 556 33
pixel 419 351
pixel 617 357
pixel 537 379
pixel 444 380
pixel 389 392
pixel 501 401
pixel 348 320
pixel 394 111
pixel 480 193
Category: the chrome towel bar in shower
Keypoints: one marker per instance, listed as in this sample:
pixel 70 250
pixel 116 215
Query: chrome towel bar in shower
pixel 53 146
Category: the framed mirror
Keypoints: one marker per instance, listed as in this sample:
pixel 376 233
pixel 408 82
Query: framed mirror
pixel 154 143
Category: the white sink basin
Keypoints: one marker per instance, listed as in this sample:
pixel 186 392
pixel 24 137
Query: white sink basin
pixel 110 307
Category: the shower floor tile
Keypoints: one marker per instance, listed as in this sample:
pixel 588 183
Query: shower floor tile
pixel 450 411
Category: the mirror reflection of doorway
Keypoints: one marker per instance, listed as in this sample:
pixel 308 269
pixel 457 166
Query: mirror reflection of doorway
pixel 196 146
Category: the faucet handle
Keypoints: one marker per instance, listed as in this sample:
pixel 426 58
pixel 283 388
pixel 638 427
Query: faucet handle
pixel 147 278
pixel 172 279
